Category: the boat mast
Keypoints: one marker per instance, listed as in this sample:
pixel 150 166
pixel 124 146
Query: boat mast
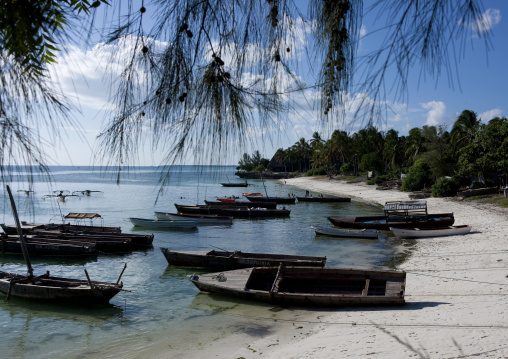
pixel 21 235
pixel 261 175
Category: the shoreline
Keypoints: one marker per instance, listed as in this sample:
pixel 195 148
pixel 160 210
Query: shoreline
pixel 456 298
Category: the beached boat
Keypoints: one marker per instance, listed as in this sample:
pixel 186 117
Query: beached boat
pixel 237 259
pixel 430 232
pixel 278 200
pixel 164 224
pixel 478 192
pixel 307 286
pixel 57 289
pixel 202 219
pixel 271 205
pixel 382 223
pixel 348 233
pixel 243 212
pixel 235 184
pixel 323 199
pixel 400 214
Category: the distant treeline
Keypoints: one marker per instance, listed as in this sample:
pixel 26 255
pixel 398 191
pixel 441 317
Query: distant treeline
pixel 471 150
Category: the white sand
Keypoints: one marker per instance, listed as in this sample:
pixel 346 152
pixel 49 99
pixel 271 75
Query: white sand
pixel 456 293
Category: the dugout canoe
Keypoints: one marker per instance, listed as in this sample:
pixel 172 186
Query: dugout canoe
pixel 346 233
pixel 430 232
pixel 237 259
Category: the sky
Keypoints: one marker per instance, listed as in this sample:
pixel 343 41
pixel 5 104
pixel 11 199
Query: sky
pixel 479 84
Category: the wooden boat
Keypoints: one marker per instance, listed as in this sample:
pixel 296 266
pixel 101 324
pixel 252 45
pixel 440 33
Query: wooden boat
pixel 197 209
pixel 307 286
pixel 243 212
pixel 382 223
pixel 271 205
pixel 477 192
pixel 323 199
pixel 430 232
pixel 57 289
pixel 202 219
pixel 235 184
pixel 400 214
pixel 257 194
pixel 226 200
pixel 237 259
pixel 46 247
pixel 78 226
pixel 278 200
pixel 348 233
pixel 164 224
pixel 104 242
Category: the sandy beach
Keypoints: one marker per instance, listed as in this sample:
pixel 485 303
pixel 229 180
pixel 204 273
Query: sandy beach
pixel 456 294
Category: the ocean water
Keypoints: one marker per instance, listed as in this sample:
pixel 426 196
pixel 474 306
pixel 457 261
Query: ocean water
pixel 160 304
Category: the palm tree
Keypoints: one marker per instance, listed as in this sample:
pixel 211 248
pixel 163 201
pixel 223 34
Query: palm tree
pixel 464 130
pixel 315 140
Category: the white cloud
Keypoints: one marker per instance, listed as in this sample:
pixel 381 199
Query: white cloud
pixel 489 115
pixel 363 31
pixel 437 113
pixel 486 21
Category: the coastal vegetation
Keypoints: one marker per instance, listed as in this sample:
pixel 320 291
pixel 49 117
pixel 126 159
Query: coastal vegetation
pixel 473 153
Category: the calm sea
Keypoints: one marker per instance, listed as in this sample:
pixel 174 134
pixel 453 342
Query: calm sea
pixel 161 302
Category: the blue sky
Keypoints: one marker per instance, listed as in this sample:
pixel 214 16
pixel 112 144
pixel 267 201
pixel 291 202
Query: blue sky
pixel 482 87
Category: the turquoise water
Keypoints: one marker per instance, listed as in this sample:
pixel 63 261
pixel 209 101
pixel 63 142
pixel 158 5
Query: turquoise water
pixel 161 302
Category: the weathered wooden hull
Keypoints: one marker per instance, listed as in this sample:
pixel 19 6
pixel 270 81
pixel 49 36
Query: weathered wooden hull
pixel 46 247
pixel 307 286
pixel 430 232
pixel 202 219
pixel 253 212
pixel 346 233
pixel 197 209
pixel 164 224
pixel 278 200
pixel 236 260
pixel 32 227
pixel 478 192
pixel 57 289
pixel 269 205
pixel 235 184
pixel 380 222
pixel 324 199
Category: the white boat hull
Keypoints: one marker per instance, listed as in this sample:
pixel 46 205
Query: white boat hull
pixel 202 219
pixel 430 232
pixel 347 233
pixel 156 223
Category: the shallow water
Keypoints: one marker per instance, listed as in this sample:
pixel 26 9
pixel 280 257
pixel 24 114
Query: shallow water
pixel 161 302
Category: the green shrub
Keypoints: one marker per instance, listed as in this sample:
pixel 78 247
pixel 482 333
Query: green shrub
pixel 346 168
pixel 445 187
pixel 417 178
pixel 320 171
